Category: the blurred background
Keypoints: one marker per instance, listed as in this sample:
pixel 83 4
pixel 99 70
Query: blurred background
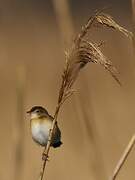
pixel 97 122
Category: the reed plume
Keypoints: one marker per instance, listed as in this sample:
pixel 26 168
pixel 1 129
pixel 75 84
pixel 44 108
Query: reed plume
pixel 79 55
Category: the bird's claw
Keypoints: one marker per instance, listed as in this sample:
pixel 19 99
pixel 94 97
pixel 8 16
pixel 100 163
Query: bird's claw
pixel 45 157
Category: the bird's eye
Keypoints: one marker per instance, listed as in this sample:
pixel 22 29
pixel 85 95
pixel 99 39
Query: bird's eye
pixel 37 111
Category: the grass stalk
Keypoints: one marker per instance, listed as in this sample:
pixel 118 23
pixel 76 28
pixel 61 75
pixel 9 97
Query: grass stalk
pixel 64 20
pixel 123 158
pixel 19 124
pixel 97 161
pixel 133 17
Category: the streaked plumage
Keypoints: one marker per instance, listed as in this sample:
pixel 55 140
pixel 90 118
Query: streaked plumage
pixel 40 123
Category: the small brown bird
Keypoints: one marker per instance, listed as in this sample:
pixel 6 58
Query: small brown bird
pixel 41 123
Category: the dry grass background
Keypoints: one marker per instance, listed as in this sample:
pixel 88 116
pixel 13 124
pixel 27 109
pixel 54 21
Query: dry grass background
pixel 30 37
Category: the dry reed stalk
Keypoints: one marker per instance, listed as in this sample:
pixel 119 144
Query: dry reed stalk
pixel 19 124
pixel 90 129
pixel 133 13
pixel 63 17
pixel 133 17
pixel 123 158
pixel 87 110
pixel 81 53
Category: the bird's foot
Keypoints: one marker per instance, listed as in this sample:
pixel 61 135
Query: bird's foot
pixel 45 157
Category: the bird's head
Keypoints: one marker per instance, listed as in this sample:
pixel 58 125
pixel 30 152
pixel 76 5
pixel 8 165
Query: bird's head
pixel 37 112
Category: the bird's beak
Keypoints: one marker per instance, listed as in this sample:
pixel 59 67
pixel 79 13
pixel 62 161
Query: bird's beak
pixel 28 112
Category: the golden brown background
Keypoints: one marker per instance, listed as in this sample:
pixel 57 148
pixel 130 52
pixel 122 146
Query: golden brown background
pixel 96 123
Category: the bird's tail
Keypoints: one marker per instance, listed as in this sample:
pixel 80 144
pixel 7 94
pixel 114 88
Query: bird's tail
pixel 57 144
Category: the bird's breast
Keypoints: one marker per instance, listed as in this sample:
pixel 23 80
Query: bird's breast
pixel 40 130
